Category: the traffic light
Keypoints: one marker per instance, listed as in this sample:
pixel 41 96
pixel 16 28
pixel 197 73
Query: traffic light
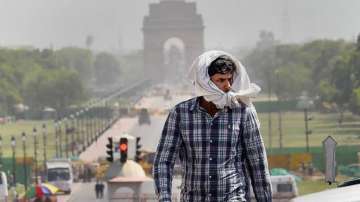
pixel 123 146
pixel 110 150
pixel 138 152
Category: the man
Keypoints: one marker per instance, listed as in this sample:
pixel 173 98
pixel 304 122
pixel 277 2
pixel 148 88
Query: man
pixel 97 189
pixel 216 136
pixel 101 189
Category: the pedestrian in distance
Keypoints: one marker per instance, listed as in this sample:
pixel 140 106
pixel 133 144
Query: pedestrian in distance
pixel 216 136
pixel 101 189
pixel 97 189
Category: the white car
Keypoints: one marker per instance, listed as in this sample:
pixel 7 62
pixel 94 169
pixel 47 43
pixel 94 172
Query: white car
pixel 3 187
pixel 341 194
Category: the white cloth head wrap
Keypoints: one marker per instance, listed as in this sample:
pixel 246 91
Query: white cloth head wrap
pixel 241 88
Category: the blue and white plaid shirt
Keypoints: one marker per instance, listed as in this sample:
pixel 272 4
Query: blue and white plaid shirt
pixel 218 154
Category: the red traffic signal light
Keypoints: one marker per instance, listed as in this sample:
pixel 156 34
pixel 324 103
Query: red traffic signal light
pixel 123 146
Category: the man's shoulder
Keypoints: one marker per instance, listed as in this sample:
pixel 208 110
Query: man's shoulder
pixel 186 104
pixel 242 106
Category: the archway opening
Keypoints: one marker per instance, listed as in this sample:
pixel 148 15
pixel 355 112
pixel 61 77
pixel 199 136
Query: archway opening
pixel 174 60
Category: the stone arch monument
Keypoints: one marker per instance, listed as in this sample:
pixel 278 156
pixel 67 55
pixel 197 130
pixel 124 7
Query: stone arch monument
pixel 173 37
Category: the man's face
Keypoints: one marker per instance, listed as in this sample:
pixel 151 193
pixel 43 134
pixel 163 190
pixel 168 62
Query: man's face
pixel 223 81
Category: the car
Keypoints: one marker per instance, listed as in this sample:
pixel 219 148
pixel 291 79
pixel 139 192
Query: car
pixel 348 193
pixel 3 187
pixel 350 182
pixel 144 117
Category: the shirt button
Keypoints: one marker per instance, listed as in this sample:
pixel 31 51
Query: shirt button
pixel 210 195
pixel 210 159
pixel 210 176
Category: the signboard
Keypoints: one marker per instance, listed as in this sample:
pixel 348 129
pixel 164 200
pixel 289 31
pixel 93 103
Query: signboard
pixel 329 149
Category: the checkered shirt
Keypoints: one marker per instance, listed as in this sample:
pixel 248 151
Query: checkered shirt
pixel 219 155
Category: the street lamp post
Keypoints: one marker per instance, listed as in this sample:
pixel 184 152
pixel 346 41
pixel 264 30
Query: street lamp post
pixel 35 155
pixel 306 103
pixel 88 126
pixel 1 152
pixel 13 144
pixel 44 144
pixel 66 139
pixel 307 131
pixel 56 139
pixel 81 130
pixel 60 139
pixel 72 133
pixel 94 118
pixel 77 132
pixel 23 138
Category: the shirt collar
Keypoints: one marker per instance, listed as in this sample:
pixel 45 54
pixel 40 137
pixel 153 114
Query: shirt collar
pixel 194 103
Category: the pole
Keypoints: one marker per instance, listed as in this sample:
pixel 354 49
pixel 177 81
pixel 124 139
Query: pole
pixel 66 140
pixel 269 116
pixel 56 139
pixel 280 130
pixel 77 132
pixel 60 140
pixel 44 145
pixel 306 129
pixel 24 160
pixel 72 133
pixel 1 153
pixel 35 156
pixel 13 144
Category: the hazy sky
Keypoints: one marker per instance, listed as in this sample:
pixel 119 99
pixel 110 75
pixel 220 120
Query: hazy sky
pixel 118 23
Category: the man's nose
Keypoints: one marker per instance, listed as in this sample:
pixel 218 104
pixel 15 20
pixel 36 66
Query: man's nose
pixel 227 86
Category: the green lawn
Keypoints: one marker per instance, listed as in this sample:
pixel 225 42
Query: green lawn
pixel 308 186
pixel 16 129
pixel 292 126
pixel 322 125
pixel 311 186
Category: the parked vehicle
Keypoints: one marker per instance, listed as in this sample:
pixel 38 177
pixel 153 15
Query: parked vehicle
pixel 60 174
pixel 348 193
pixel 144 117
pixel 284 188
pixel 3 187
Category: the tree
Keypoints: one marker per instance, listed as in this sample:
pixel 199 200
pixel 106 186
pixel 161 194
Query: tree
pixel 53 88
pixel 107 69
pixel 77 59
pixel 9 93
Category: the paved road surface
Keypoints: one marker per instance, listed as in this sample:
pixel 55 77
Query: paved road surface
pixel 150 134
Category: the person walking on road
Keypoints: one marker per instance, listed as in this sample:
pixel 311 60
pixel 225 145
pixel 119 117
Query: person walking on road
pixel 97 189
pixel 101 189
pixel 216 136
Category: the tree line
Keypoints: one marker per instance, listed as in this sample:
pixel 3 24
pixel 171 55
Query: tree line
pixel 327 70
pixel 53 78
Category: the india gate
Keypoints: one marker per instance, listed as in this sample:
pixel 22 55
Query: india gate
pixel 173 37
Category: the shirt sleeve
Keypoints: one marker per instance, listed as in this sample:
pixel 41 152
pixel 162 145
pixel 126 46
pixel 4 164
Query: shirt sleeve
pixel 165 156
pixel 256 157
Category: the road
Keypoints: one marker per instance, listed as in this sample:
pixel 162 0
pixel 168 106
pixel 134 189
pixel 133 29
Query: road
pixel 150 134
